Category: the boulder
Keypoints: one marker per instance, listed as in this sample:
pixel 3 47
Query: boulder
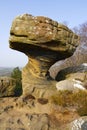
pixel 70 85
pixel 44 41
pixel 73 72
pixel 78 124
pixel 79 57
pixel 73 82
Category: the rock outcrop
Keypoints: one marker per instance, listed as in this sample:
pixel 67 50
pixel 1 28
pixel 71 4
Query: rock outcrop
pixel 79 57
pixel 7 86
pixel 44 41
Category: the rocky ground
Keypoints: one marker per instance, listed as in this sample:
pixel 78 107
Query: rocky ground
pixel 57 112
pixel 41 106
pixel 54 113
pixel 17 116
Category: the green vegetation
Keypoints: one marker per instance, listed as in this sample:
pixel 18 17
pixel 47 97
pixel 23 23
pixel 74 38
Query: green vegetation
pixel 16 74
pixel 68 99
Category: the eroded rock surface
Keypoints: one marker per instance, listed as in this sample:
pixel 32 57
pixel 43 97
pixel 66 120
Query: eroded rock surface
pixel 7 86
pixel 79 57
pixel 24 118
pixel 44 41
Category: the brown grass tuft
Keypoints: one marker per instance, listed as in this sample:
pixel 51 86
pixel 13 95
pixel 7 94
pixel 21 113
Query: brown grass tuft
pixel 68 99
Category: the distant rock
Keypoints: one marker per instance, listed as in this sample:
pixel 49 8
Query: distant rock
pixel 5 71
pixel 44 41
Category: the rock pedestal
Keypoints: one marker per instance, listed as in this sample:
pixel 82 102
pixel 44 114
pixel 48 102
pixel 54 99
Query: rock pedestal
pixel 44 41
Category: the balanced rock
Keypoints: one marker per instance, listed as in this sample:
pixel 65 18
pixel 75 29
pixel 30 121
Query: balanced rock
pixel 44 41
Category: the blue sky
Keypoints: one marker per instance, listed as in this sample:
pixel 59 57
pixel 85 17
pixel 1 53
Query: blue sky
pixel 74 12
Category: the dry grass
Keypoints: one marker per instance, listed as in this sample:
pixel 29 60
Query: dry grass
pixel 68 99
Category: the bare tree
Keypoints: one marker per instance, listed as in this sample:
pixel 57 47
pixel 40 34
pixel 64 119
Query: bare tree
pixel 82 32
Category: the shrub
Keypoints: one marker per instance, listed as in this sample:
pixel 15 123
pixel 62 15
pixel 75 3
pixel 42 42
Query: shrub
pixel 62 98
pixel 16 74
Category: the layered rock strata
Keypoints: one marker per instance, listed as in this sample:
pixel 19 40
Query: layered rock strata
pixel 44 41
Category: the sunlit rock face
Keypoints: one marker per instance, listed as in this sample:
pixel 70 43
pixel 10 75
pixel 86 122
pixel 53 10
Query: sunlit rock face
pixel 74 82
pixel 44 41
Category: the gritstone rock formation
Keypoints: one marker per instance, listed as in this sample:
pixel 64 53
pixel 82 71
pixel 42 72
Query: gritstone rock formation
pixel 7 86
pixel 44 41
pixel 79 57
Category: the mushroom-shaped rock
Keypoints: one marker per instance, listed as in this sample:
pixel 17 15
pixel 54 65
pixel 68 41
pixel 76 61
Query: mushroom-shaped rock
pixel 44 41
